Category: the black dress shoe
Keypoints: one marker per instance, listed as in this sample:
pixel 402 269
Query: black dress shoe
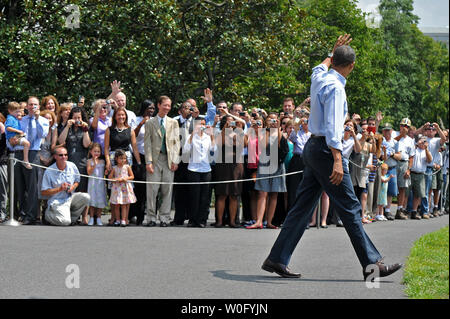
pixel 383 270
pixel 151 224
pixel 280 269
pixel 163 224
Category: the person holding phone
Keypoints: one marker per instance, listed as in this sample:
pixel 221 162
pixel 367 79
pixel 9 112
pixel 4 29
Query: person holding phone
pixel 59 184
pixel 77 140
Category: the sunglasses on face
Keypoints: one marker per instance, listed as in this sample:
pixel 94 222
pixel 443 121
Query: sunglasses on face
pixel 61 155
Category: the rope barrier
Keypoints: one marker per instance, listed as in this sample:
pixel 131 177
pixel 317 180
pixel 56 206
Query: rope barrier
pixel 168 183
pixel 365 168
pixel 192 183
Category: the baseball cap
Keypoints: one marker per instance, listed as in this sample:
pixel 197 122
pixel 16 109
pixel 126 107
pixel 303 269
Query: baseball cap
pixel 405 121
pixel 387 126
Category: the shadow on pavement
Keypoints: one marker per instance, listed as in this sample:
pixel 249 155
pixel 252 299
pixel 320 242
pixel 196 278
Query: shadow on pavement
pixel 224 274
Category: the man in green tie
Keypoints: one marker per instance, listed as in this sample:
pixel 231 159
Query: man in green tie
pixel 162 148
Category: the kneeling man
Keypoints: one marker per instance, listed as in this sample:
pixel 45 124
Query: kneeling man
pixel 59 183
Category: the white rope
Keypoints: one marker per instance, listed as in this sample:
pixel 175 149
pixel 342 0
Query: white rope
pixel 365 168
pixel 167 183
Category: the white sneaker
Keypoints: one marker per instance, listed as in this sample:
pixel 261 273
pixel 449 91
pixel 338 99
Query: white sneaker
pixel 380 217
pixel 99 222
pixel 91 221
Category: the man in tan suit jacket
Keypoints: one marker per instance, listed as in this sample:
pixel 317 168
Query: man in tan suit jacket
pixel 162 148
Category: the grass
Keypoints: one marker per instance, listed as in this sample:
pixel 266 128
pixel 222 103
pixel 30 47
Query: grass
pixel 426 274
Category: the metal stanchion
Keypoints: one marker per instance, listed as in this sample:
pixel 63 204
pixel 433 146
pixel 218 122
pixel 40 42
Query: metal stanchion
pixel 11 221
pixel 319 212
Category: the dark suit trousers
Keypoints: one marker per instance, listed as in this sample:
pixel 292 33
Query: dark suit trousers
pixel 319 161
pixel 293 181
pixel 140 190
pixel 181 194
pixel 199 197
pixel 26 186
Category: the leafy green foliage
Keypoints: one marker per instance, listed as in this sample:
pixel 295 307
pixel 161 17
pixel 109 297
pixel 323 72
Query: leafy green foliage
pixel 255 51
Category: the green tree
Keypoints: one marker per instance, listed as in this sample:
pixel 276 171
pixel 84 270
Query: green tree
pixel 418 66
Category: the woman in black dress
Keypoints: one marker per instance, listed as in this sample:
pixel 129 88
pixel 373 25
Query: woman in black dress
pixel 226 170
pixel 120 136
pixel 76 137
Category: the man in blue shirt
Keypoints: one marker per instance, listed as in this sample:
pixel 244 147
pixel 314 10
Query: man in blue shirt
pixel 322 155
pixel 59 183
pixel 26 180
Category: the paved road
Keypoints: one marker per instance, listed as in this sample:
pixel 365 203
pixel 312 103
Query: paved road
pixel 141 262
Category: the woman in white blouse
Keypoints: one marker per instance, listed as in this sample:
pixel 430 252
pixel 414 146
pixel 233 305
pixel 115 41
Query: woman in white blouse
pixel 199 147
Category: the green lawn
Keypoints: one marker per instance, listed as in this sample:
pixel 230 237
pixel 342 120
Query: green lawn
pixel 426 274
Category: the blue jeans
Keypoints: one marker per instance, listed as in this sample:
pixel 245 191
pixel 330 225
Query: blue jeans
pixel 409 207
pixel 428 179
pixel 392 184
pixel 319 162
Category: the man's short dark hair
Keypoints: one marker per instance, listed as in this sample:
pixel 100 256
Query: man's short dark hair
pixel 343 56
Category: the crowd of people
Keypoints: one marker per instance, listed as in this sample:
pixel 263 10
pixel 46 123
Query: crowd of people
pixel 71 168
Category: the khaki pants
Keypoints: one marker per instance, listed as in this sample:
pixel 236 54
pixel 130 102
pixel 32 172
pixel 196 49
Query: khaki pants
pixel 161 173
pixel 63 214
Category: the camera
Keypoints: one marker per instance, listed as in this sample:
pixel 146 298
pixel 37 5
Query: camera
pixel 191 109
pixel 203 128
pixel 347 129
pixel 254 114
pixel 78 123
pixel 258 123
pixel 108 101
pixel 233 123
pixel 241 113
pixel 273 121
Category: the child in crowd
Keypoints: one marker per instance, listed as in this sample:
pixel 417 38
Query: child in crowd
pixel 96 187
pixel 122 194
pixel 13 133
pixel 382 194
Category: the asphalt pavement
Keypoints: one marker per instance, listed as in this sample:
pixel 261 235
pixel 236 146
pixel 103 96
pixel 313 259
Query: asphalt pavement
pixel 181 262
